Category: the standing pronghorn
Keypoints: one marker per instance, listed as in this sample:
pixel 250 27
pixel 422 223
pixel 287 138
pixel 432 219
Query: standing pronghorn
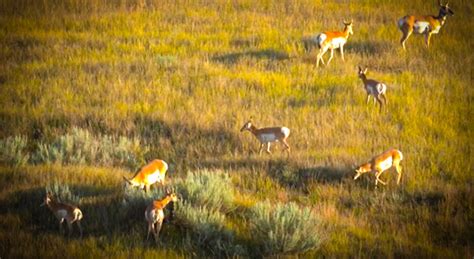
pixel 374 88
pixel 423 24
pixel 268 135
pixel 331 40
pixel 64 211
pixel 380 163
pixel 153 172
pixel 154 214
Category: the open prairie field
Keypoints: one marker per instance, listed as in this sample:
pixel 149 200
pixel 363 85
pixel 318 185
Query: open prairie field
pixel 90 91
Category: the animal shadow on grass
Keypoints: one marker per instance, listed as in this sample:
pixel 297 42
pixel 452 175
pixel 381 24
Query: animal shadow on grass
pixel 299 177
pixel 186 142
pixel 366 47
pixel 270 54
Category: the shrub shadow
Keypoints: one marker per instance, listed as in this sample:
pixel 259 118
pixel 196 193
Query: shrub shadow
pixel 270 54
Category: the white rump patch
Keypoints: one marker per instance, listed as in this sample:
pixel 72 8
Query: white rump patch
pixel 285 131
pixel 321 38
pixel 381 88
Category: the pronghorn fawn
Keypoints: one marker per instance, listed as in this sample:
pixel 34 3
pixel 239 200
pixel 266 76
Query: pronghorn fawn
pixel 154 214
pixel 268 135
pixel 423 24
pixel 64 212
pixel 375 88
pixel 331 40
pixel 380 163
pixel 151 173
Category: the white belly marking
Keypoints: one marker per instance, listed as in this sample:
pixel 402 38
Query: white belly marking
pixel 421 27
pixel 155 177
pixel 386 164
pixel 267 138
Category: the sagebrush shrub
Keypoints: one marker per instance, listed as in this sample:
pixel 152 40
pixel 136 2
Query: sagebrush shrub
pixel 207 229
pixel 62 193
pixel 284 228
pixel 80 147
pixel 12 150
pixel 212 189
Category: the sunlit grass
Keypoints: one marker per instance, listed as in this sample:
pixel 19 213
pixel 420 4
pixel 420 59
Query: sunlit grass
pixel 183 76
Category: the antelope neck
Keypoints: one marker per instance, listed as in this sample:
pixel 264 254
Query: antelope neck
pixel 253 129
pixel 163 202
pixel 364 78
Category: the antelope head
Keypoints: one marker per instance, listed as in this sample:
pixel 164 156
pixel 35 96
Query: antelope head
pixel 361 72
pixel 444 10
pixel 247 125
pixel 172 194
pixel 348 27
pixel 365 168
pixel 47 199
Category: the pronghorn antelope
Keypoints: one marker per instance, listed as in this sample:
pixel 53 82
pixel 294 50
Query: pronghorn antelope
pixel 426 24
pixel 380 163
pixel 268 135
pixel 64 211
pixel 153 172
pixel 331 40
pixel 154 214
pixel 374 88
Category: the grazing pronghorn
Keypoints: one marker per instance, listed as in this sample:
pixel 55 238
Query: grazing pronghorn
pixel 153 172
pixel 331 40
pixel 423 24
pixel 64 211
pixel 154 214
pixel 268 135
pixel 374 88
pixel 380 163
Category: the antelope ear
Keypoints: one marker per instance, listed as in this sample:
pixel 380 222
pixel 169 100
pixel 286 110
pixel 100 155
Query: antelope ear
pixel 126 180
pixel 360 69
pixel 365 70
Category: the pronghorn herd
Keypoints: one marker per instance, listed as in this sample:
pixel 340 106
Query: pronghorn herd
pixel 155 171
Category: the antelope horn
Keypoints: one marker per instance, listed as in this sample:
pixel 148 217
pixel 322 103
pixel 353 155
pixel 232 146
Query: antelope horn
pixel 439 2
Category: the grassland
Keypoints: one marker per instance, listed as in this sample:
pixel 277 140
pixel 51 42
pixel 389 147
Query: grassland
pixel 181 77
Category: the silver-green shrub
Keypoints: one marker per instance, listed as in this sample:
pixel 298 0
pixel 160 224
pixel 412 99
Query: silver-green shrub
pixel 206 228
pixel 61 192
pixel 284 228
pixel 12 150
pixel 80 147
pixel 212 189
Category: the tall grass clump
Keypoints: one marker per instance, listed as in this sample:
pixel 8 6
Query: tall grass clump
pixel 212 189
pixel 12 151
pixel 81 147
pixel 206 228
pixel 285 228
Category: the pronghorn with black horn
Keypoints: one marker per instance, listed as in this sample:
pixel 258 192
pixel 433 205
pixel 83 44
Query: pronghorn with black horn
pixel 154 214
pixel 64 212
pixel 380 163
pixel 423 24
pixel 268 135
pixel 374 88
pixel 331 40
pixel 153 172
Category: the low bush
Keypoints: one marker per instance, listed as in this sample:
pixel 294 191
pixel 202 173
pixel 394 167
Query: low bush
pixel 212 189
pixel 284 228
pixel 81 147
pixel 206 228
pixel 12 151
